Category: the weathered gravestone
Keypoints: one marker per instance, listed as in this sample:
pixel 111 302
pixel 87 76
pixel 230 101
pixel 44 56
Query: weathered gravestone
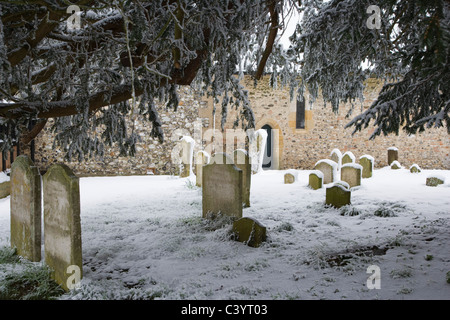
pixel 348 157
pixel 249 231
pixel 201 160
pixel 415 168
pixel 392 155
pixel 244 162
pixel 328 168
pixel 366 163
pixel 434 181
pixel 290 177
pixel 337 196
pixel 26 208
pixel 62 225
pixel 315 179
pixel 222 188
pixel 395 165
pixel 5 189
pixel 351 173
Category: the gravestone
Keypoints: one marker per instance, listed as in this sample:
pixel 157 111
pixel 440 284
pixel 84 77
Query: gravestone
pixel 249 231
pixel 366 163
pixel 434 181
pixel 202 159
pixel 62 225
pixel 351 173
pixel 187 154
pixel 328 168
pixel 395 165
pixel 222 188
pixel 415 169
pixel 336 156
pixel 392 155
pixel 289 178
pixel 315 179
pixel 244 162
pixel 25 204
pixel 348 157
pixel 337 196
pixel 5 189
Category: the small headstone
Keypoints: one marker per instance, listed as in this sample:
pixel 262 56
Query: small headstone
pixel 348 157
pixel 337 196
pixel 395 165
pixel 315 179
pixel 434 181
pixel 62 225
pixel 249 231
pixel 201 160
pixel 5 189
pixel 415 169
pixel 244 162
pixel 392 155
pixel 26 208
pixel 290 177
pixel 328 168
pixel 222 188
pixel 351 173
pixel 367 163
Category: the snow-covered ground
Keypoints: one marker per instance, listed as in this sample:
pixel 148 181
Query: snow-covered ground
pixel 143 237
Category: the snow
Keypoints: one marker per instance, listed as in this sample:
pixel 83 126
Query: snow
pixel 317 173
pixel 353 165
pixel 143 237
pixel 393 148
pixel 350 154
pixel 396 163
pixel 3 177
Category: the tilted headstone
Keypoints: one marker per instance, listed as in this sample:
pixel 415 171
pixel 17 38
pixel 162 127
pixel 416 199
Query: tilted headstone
pixel 434 181
pixel 249 231
pixel 62 225
pixel 202 159
pixel 187 154
pixel 315 179
pixel 328 168
pixel 290 176
pixel 348 157
pixel 337 196
pixel 351 173
pixel 244 162
pixel 392 155
pixel 222 188
pixel 367 163
pixel 26 208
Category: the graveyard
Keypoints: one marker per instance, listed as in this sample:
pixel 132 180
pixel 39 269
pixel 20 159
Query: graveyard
pixel 145 237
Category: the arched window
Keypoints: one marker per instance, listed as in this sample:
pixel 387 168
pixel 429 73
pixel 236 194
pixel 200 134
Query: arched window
pixel 300 114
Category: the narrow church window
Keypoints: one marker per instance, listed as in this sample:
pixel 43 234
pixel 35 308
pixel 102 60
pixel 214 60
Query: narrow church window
pixel 300 115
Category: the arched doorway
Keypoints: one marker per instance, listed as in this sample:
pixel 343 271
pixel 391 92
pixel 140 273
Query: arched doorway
pixel 268 152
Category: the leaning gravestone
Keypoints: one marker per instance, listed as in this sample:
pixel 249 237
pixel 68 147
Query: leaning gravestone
pixel 337 196
pixel 415 168
pixel 328 168
pixel 351 173
pixel 315 179
pixel 395 165
pixel 392 155
pixel 366 163
pixel 62 225
pixel 249 231
pixel 222 188
pixel 243 161
pixel 26 208
pixel 201 160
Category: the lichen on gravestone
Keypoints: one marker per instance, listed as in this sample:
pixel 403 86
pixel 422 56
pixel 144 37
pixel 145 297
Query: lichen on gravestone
pixel 249 231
